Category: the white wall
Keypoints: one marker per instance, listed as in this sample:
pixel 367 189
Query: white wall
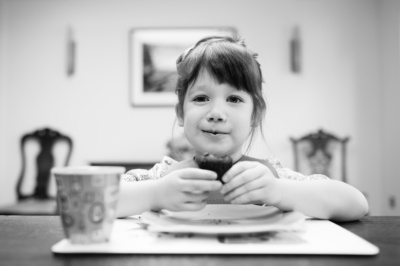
pixel 6 190
pixel 390 36
pixel 339 89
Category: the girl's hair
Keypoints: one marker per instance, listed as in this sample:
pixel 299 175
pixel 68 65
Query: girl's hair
pixel 227 59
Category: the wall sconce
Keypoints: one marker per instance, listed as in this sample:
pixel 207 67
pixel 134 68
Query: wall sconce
pixel 295 50
pixel 70 53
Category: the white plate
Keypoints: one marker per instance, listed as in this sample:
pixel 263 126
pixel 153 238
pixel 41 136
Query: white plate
pixel 223 219
pixel 224 212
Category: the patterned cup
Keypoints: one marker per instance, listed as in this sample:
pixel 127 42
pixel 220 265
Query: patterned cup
pixel 87 199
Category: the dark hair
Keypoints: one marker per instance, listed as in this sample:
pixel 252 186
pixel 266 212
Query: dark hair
pixel 227 59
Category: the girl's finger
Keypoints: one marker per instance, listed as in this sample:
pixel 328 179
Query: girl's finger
pixel 196 173
pixel 200 186
pixel 193 206
pixel 249 197
pixel 255 184
pixel 242 178
pixel 196 196
pixel 236 169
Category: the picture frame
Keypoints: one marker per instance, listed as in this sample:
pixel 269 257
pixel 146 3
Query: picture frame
pixel 152 61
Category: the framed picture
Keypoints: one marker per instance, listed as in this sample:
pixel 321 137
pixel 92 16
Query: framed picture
pixel 152 59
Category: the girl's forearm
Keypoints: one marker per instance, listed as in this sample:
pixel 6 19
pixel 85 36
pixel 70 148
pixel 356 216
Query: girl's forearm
pixel 324 199
pixel 136 197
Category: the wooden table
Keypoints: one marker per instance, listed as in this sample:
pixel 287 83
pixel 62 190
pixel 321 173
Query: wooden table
pixel 27 240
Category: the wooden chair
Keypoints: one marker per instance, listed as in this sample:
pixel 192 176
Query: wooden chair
pixel 38 202
pixel 321 153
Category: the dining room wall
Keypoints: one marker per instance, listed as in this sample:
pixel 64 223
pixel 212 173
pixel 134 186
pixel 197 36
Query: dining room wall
pixel 338 88
pixel 390 47
pixel 2 104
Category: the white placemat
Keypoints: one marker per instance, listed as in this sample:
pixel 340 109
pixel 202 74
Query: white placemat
pixel 318 237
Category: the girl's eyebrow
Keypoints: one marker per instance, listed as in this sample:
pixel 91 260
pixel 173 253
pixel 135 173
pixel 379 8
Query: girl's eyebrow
pixel 196 88
pixel 238 91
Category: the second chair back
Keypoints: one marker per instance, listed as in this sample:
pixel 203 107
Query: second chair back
pixel 46 138
pixel 315 153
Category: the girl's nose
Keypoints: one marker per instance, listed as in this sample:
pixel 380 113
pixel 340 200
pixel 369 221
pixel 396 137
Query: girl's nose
pixel 216 114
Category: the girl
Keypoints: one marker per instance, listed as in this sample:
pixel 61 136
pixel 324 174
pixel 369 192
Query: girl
pixel 220 106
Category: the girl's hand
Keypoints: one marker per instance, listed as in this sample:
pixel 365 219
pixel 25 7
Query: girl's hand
pixel 250 182
pixel 185 189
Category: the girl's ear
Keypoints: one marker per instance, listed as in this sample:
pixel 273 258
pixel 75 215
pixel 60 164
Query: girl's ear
pixel 179 114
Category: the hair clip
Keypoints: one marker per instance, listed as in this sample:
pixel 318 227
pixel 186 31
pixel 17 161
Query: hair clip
pixel 184 54
pixel 210 39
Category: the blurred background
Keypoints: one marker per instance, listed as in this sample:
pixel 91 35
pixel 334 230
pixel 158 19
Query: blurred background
pixel 347 83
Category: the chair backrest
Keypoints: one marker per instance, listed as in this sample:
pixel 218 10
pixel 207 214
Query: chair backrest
pixel 46 139
pixel 321 153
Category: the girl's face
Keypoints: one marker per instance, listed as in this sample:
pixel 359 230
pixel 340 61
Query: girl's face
pixel 217 118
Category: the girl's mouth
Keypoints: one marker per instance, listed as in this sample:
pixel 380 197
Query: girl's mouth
pixel 214 133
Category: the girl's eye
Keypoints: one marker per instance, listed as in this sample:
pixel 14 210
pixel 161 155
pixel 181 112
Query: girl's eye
pixel 200 98
pixel 234 99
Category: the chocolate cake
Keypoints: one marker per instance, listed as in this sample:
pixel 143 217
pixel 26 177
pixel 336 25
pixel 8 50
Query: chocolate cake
pixel 218 164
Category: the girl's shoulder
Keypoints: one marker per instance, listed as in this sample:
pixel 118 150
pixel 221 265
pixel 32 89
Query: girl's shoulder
pixel 156 172
pixel 282 172
pixel 266 162
pixel 272 161
pixel 287 173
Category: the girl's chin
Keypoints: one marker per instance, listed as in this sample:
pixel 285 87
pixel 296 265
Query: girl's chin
pixel 218 153
pixel 217 150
